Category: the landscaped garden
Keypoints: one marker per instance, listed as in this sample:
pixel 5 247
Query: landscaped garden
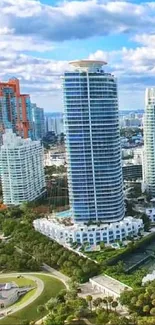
pixel 52 287
pixel 21 281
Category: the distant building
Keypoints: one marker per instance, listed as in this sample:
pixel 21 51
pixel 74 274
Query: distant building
pixel 131 120
pixel 39 122
pixel 149 142
pixel 132 172
pixel 15 110
pixel 54 124
pixel 132 166
pixel 21 166
pixel 54 158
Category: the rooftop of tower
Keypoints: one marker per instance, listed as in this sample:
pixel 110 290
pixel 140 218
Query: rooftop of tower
pixel 87 64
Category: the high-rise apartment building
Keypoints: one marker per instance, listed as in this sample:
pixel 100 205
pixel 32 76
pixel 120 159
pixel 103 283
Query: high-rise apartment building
pixel 149 142
pixel 15 109
pixel 39 122
pixel 94 162
pixel 21 167
pixel 93 143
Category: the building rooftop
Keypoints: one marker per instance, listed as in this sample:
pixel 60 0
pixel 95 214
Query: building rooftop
pixel 5 294
pixel 87 64
pixel 111 284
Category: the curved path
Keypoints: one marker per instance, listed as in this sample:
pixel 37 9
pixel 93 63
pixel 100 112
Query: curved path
pixel 40 286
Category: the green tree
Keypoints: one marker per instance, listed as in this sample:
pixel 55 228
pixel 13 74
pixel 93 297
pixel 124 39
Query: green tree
pixel 102 245
pixel 146 309
pixel 69 319
pixel 89 300
pixel 51 304
pixel 133 300
pixel 40 309
pixel 139 303
pixel 146 221
pixel 114 304
pixel 102 318
pixel 152 311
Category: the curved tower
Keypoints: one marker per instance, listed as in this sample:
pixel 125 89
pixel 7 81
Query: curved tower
pixel 93 143
pixel 149 142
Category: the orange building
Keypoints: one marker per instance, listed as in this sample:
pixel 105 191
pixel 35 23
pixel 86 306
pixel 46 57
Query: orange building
pixel 15 109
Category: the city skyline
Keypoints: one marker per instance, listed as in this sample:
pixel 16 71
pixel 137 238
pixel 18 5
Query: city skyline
pixel 121 33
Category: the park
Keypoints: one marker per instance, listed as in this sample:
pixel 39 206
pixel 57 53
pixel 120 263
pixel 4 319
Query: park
pixel 44 287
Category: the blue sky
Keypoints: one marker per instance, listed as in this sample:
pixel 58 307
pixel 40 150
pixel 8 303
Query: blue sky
pixel 39 37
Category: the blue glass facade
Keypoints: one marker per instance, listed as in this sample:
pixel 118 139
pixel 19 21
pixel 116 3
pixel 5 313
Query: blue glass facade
pixel 93 146
pixel 149 142
pixel 39 122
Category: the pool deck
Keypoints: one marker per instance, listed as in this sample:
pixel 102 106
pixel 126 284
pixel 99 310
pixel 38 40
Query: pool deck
pixel 64 214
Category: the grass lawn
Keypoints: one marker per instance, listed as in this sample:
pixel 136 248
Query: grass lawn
pixel 24 298
pixel 19 281
pixel 51 287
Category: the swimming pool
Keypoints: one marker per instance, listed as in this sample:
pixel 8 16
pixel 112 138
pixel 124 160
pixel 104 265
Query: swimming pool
pixel 64 214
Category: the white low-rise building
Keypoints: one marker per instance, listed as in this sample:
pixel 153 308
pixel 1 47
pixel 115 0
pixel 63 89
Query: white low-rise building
pixel 108 286
pixel 151 213
pixel 56 158
pixel 66 232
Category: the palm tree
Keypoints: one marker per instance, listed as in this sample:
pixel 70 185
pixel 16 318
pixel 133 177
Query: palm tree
pixel 89 300
pixel 110 300
pixel 105 302
pixel 97 302
pixel 114 304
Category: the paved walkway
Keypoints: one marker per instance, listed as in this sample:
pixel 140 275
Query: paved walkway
pixel 40 286
pixel 65 279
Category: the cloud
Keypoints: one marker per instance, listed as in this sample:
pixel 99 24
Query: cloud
pixel 15 43
pixel 28 26
pixel 134 67
pixel 37 75
pixel 76 19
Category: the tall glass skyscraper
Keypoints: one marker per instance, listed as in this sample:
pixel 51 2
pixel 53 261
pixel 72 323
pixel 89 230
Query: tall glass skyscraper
pixel 93 143
pixel 15 110
pixel 149 142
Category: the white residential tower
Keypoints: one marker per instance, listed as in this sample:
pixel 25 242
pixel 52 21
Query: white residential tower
pixel 22 172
